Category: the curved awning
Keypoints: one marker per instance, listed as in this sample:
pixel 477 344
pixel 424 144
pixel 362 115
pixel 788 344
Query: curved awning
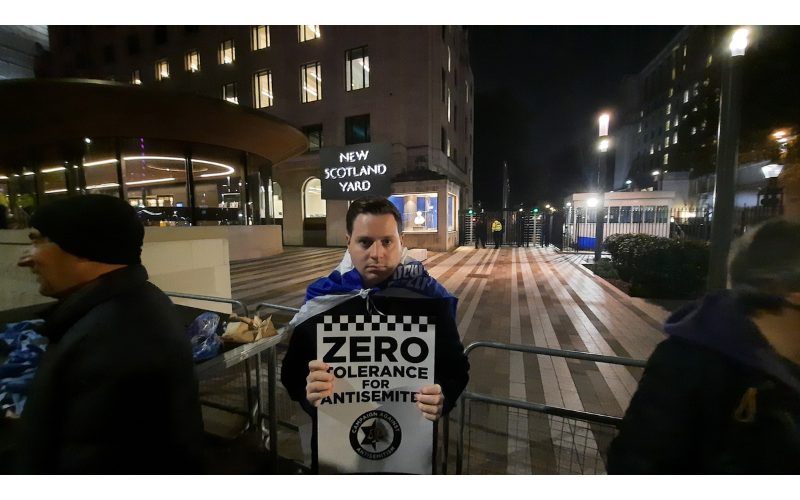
pixel 43 112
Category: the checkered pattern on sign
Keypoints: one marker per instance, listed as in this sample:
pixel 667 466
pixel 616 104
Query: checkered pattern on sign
pixel 376 322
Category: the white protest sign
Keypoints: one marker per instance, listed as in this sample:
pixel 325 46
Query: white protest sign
pixel 371 422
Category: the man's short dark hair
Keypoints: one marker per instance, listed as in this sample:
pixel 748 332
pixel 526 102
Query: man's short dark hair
pixel 767 258
pixel 375 205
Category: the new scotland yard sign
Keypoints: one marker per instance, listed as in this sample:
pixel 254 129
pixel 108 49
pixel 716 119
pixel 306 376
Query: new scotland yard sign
pixel 356 170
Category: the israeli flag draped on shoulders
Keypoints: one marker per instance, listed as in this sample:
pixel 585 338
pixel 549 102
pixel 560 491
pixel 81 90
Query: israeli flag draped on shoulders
pixel 345 282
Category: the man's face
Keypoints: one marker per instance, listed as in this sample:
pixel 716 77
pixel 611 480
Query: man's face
pixel 375 247
pixel 55 269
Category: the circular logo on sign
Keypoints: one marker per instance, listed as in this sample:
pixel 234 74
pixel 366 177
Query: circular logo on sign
pixel 375 435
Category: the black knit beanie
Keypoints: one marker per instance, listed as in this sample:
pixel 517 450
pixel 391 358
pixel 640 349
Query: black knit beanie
pixel 96 227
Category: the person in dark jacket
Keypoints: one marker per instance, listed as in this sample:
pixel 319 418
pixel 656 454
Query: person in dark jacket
pixel 722 394
pixel 116 391
pixel 375 263
pixel 480 230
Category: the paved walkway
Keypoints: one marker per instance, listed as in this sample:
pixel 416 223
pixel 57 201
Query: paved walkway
pixel 528 296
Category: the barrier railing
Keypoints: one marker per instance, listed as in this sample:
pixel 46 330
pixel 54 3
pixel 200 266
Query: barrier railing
pixel 277 307
pixel 566 413
pixel 208 298
pixel 255 405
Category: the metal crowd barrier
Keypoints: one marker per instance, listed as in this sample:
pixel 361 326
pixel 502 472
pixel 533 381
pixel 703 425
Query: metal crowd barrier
pixel 272 370
pixel 584 416
pixel 244 354
pixel 208 298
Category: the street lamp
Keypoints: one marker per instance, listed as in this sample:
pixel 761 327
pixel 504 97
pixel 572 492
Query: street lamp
pixel 727 158
pixel 657 177
pixel 739 41
pixel 771 195
pixel 602 145
pixel 783 137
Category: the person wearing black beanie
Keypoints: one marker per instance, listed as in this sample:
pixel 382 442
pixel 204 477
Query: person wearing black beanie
pixel 96 227
pixel 116 391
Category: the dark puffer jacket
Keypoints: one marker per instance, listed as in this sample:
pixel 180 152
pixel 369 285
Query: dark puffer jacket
pixel 715 398
pixel 116 391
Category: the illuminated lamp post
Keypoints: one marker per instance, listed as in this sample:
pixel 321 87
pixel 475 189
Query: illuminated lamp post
pixel 657 178
pixel 602 147
pixel 771 195
pixel 727 151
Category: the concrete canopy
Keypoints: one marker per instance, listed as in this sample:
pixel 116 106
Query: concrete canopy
pixel 40 114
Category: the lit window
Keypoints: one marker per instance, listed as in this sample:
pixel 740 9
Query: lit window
pixel 136 77
pixel 640 127
pixel 357 69
pixel 193 61
pixel 418 212
pixel 685 96
pixel 309 32
pixel 314 135
pixel 356 129
pixel 684 51
pixel 276 207
pixel 262 89
pixel 447 150
pixel 671 91
pixel 695 92
pixel 311 82
pixel 666 141
pixel 227 52
pixel 259 37
pixel 652 149
pixel 694 130
pixel 641 114
pixel 669 108
pixel 677 120
pixel 673 73
pixel 675 138
pixel 448 105
pixel 452 211
pixel 706 82
pixel 313 204
pixel 162 70
pixel 449 66
pixel 666 158
pixel 229 93
pixel 694 109
pixel 666 125
pixel 708 61
pixel 466 85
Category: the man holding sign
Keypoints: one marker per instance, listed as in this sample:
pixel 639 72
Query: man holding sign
pixel 375 354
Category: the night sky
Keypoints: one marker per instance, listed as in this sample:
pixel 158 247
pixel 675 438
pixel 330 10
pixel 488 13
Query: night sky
pixel 538 92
